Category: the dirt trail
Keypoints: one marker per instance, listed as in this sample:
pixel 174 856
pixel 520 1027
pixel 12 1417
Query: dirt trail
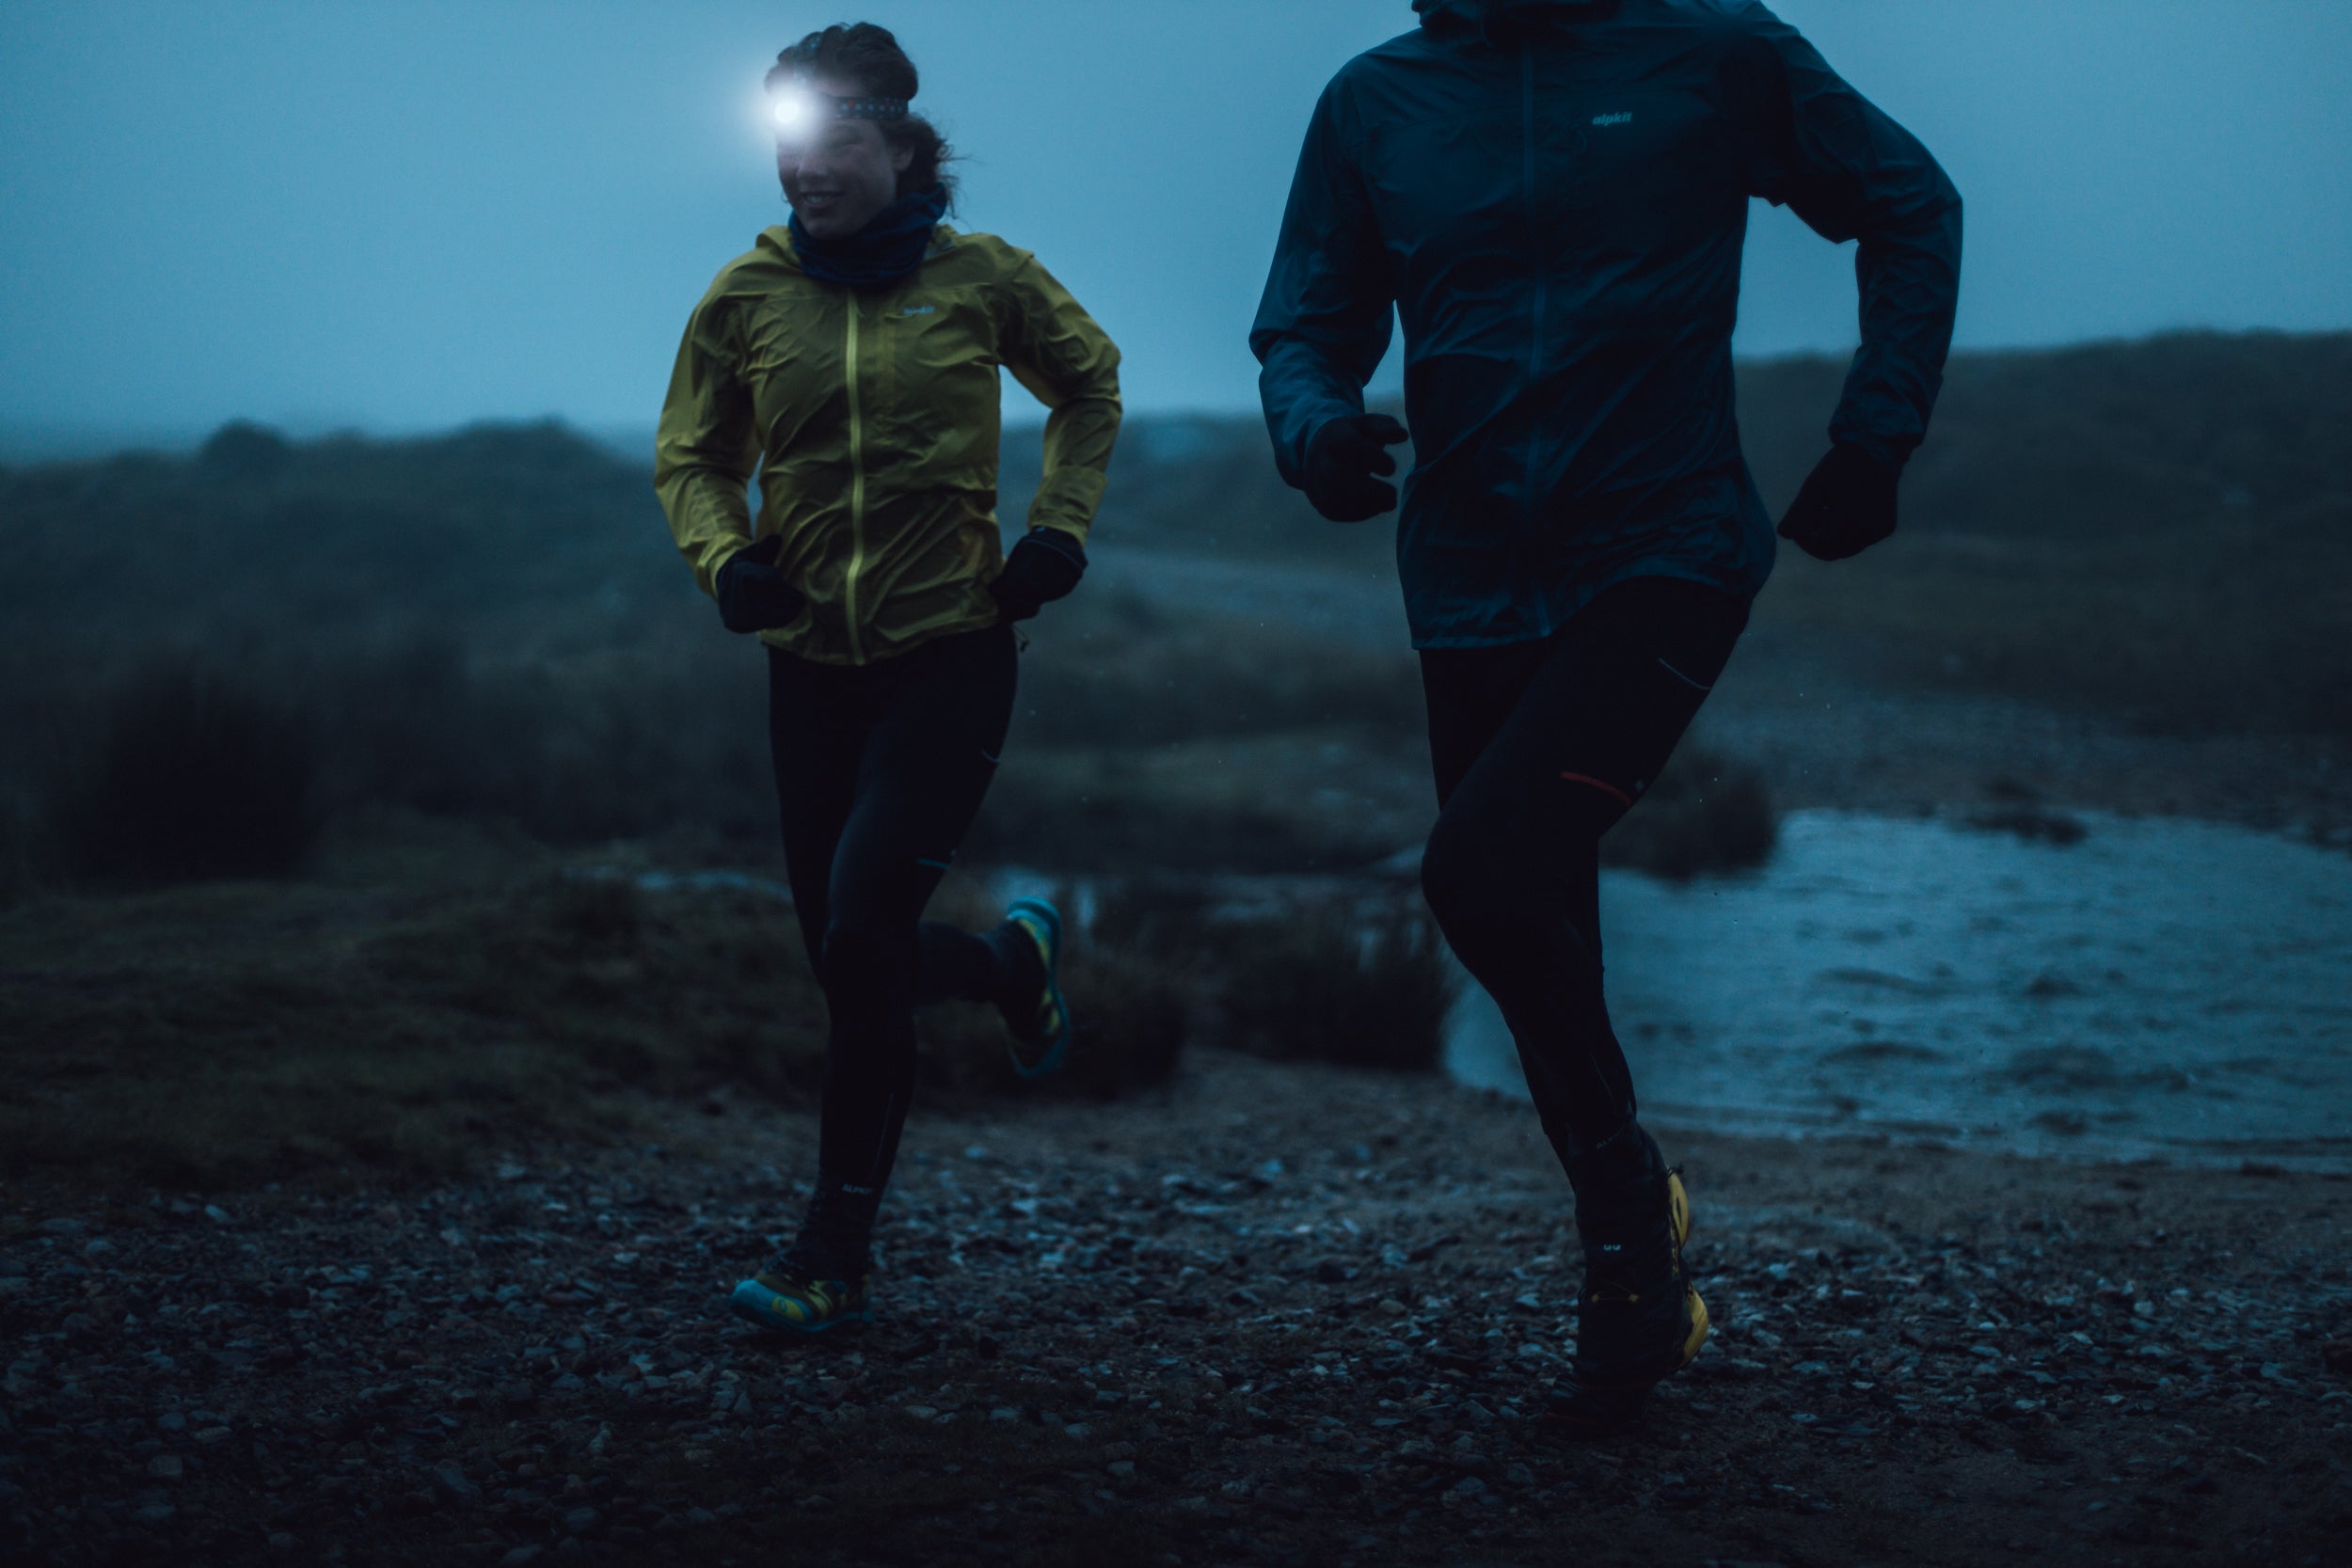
pixel 1278 1315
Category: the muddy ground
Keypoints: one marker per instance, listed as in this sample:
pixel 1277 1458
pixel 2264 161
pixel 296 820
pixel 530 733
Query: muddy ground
pixel 1272 1315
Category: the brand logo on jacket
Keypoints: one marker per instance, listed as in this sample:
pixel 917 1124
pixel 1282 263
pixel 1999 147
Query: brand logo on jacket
pixel 1623 117
pixel 919 311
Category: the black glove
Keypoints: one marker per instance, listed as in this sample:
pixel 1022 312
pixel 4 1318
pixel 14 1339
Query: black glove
pixel 1342 455
pixel 1044 566
pixel 752 595
pixel 1846 506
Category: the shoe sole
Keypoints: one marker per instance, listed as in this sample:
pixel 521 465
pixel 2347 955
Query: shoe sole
pixel 751 1299
pixel 1048 920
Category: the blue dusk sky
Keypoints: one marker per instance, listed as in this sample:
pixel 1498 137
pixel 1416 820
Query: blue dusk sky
pixel 408 215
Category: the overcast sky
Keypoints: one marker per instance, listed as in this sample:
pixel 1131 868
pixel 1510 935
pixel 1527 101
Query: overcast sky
pixel 405 215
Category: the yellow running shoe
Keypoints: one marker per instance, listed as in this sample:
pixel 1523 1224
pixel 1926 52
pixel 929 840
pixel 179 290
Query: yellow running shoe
pixel 780 1299
pixel 1639 1318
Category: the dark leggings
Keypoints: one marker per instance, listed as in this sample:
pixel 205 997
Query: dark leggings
pixel 879 769
pixel 1539 748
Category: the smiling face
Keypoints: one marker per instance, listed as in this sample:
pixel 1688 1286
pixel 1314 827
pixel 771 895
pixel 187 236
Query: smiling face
pixel 838 173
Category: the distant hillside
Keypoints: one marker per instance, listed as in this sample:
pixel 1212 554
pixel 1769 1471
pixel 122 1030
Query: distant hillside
pixel 2086 442
pixel 2100 440
pixel 2164 524
pixel 2161 529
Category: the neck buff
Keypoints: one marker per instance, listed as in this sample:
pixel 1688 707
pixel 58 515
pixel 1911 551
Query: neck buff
pixel 886 252
pixel 1500 19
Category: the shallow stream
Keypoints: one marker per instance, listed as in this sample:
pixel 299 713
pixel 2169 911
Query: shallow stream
pixel 2161 988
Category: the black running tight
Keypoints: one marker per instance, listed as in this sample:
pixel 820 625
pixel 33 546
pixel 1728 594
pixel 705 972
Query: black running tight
pixel 1539 748
pixel 879 769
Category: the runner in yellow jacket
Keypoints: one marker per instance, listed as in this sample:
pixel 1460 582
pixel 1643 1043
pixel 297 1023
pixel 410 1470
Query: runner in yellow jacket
pixel 849 360
pixel 872 417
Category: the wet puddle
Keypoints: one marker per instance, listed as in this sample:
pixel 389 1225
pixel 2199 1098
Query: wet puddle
pixel 2161 988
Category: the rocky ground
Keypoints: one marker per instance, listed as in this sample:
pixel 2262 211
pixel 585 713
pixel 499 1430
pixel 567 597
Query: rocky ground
pixel 1275 1315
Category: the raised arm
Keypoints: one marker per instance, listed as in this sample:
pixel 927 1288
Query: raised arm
pixel 1054 349
pixel 707 447
pixel 1323 320
pixel 1852 173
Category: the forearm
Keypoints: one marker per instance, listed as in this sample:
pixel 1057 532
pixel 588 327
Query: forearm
pixel 1324 318
pixel 1302 389
pixel 1079 437
pixel 709 514
pixel 1908 272
pixel 1853 173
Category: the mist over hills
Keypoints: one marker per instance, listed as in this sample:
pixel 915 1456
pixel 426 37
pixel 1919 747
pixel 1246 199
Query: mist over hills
pixel 2208 474
pixel 492 623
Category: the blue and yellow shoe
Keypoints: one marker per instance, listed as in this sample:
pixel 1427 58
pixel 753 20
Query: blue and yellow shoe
pixel 1040 1035
pixel 780 1299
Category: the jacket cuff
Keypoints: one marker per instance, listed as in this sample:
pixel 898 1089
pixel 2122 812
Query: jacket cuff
pixel 1063 543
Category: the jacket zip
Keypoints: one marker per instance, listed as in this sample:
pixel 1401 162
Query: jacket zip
pixel 857 492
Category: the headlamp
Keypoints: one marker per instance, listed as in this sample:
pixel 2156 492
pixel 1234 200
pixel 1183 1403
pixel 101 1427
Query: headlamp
pixel 793 109
pixel 798 108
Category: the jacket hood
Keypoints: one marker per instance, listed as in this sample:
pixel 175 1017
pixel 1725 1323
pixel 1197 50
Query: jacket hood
pixel 1478 12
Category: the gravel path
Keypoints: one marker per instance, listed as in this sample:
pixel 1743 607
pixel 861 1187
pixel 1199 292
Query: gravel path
pixel 1278 1315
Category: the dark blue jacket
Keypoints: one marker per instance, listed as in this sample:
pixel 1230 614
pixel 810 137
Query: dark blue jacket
pixel 1554 198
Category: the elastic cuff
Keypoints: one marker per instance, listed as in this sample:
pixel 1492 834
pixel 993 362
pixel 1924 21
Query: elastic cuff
pixel 1885 454
pixel 1061 541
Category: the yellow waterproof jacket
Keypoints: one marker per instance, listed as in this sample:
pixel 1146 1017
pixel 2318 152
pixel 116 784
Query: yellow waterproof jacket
pixel 872 421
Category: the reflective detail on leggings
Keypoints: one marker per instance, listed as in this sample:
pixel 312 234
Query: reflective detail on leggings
pixel 1601 784
pixel 1513 867
pixel 1696 686
pixel 879 769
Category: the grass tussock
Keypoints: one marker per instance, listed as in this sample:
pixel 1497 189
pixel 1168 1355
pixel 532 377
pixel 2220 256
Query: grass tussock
pixel 1705 815
pixel 1115 667
pixel 250 1035
pixel 1340 983
pixel 227 1034
pixel 1131 1002
pixel 186 775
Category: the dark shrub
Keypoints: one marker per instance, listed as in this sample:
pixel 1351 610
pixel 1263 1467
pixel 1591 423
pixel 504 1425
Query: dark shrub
pixel 1338 983
pixel 16 844
pixel 242 449
pixel 1130 1002
pixel 1133 1014
pixel 601 917
pixel 1705 813
pixel 188 778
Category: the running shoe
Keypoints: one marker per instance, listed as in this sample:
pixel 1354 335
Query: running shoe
pixel 780 1298
pixel 1040 1026
pixel 1639 1319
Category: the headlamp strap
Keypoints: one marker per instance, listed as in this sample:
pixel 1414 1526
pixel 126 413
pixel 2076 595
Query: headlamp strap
pixel 869 108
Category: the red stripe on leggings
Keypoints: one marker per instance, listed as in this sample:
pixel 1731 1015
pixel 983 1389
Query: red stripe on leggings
pixel 1601 784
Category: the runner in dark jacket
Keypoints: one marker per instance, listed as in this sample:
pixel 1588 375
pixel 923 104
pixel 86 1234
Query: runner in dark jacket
pixel 1552 195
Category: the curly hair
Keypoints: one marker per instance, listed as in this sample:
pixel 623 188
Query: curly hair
pixel 869 58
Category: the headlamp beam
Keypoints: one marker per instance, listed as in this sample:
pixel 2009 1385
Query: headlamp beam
pixel 796 107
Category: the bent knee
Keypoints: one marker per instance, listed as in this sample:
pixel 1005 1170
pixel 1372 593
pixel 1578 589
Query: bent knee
pixel 859 953
pixel 1466 872
pixel 1475 868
